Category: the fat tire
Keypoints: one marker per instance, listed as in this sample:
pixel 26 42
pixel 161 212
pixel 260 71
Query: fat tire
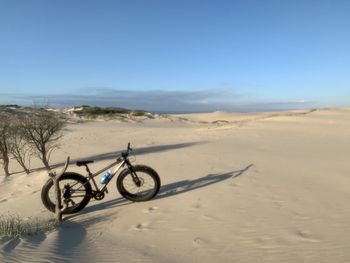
pixel 72 176
pixel 135 197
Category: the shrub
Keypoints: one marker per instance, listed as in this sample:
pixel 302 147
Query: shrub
pixel 14 226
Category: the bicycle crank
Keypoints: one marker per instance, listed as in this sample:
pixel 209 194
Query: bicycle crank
pixel 99 196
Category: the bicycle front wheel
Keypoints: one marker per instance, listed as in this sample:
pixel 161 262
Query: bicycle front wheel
pixel 147 188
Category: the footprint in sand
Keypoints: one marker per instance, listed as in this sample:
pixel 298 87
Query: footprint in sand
pixel 141 227
pixel 198 242
pixel 279 203
pixel 198 204
pixel 207 217
pixel 3 200
pixel 16 194
pixel 150 210
pixel 234 184
pixel 306 236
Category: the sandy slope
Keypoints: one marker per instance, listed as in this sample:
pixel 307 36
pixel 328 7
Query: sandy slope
pixel 273 188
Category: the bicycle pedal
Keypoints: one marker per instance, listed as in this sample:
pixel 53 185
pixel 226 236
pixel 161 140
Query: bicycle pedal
pixel 106 191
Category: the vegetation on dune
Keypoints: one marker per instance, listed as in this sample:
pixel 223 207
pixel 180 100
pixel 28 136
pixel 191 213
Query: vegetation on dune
pixel 10 106
pixel 109 112
pixel 93 110
pixel 14 226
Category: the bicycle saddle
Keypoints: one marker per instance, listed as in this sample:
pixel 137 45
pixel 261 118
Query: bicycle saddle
pixel 80 163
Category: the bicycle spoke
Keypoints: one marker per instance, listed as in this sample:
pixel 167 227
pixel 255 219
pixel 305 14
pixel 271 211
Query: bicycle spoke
pixel 147 184
pixel 76 193
pixel 74 196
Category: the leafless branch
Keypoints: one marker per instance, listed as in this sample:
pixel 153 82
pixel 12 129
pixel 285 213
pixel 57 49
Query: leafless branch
pixel 42 130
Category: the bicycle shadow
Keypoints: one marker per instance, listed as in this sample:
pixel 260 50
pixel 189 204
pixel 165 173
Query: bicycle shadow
pixel 114 154
pixel 172 189
pixel 190 185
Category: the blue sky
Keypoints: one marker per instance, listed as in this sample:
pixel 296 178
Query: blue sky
pixel 179 55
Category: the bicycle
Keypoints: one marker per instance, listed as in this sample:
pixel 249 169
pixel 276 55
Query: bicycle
pixel 136 183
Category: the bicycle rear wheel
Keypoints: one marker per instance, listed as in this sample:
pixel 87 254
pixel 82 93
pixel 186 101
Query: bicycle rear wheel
pixel 75 190
pixel 148 188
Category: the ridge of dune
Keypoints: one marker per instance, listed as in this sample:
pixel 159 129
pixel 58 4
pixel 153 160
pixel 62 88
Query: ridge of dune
pixel 228 118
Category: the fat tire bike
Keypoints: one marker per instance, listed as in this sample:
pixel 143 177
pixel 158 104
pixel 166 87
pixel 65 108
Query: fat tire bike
pixel 136 183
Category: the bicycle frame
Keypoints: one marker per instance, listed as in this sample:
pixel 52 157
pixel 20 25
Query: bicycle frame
pixel 91 176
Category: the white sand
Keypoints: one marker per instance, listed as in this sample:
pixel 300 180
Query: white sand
pixel 250 188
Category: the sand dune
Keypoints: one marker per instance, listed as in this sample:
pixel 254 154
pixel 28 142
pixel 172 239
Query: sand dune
pixel 267 187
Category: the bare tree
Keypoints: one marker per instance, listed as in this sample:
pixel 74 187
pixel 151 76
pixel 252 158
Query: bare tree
pixel 5 145
pixel 42 130
pixel 20 148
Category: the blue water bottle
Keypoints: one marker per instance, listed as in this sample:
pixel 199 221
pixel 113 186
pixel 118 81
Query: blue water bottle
pixel 106 177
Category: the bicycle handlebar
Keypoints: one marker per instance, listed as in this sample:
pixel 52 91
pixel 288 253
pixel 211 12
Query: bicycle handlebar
pixel 128 150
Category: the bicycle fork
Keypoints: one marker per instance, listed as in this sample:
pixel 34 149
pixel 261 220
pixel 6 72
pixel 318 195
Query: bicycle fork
pixel 134 176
